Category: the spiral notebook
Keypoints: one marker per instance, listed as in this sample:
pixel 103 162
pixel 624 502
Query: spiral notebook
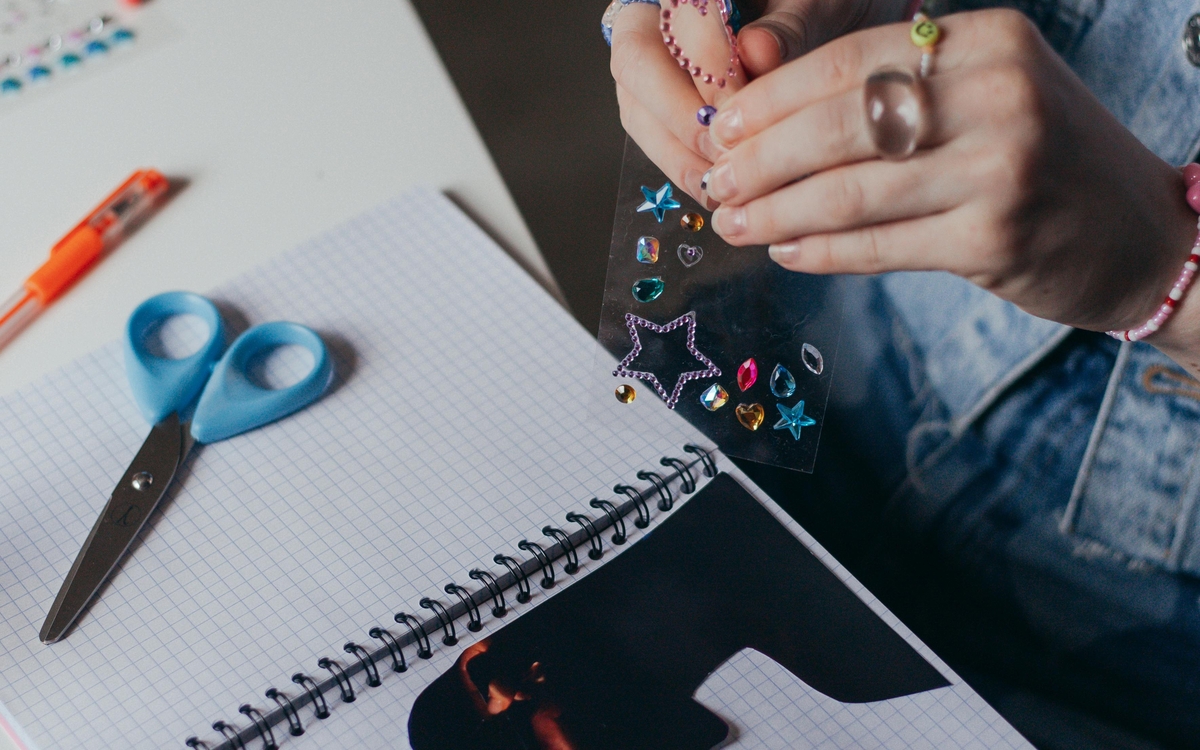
pixel 444 544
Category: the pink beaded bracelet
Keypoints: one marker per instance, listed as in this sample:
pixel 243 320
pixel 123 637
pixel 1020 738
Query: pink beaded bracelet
pixel 1191 176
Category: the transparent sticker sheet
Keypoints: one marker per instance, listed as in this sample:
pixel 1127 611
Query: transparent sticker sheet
pixel 741 348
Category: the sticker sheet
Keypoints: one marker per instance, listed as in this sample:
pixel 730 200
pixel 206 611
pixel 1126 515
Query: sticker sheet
pixel 742 348
pixel 46 42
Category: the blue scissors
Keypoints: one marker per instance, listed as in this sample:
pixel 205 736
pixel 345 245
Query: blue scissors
pixel 203 398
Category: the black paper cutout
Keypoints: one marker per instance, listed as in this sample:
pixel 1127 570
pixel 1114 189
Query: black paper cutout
pixel 614 660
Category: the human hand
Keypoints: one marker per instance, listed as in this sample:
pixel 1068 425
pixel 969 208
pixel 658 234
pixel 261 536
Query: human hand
pixel 659 100
pixel 1023 183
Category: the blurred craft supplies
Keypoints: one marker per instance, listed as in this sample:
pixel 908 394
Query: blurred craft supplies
pixel 203 397
pixel 79 250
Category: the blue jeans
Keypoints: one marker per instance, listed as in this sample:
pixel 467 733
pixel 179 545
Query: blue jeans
pixel 961 535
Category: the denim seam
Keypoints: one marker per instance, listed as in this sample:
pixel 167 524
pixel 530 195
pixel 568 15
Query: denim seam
pixel 989 397
pixel 1184 520
pixel 1067 525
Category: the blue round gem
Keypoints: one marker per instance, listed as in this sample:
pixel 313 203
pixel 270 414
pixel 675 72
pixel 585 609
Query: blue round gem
pixel 38 72
pixel 70 60
pixel 96 47
pixel 121 36
pixel 10 86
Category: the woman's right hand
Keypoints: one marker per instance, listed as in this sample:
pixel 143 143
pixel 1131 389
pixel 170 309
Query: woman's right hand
pixel 659 100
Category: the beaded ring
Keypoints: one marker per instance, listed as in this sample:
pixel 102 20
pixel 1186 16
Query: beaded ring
pixel 925 34
pixel 610 16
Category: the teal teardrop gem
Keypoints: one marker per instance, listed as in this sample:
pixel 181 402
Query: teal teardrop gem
pixel 783 384
pixel 648 290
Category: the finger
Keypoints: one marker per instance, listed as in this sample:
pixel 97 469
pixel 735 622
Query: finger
pixel 898 246
pixel 837 67
pixel 847 198
pixel 643 67
pixel 788 29
pixel 679 163
pixel 833 132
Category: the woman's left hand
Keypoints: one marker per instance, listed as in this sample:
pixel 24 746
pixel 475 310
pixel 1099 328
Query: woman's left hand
pixel 1023 183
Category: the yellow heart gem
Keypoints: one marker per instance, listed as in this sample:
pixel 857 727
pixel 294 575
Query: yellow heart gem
pixel 750 415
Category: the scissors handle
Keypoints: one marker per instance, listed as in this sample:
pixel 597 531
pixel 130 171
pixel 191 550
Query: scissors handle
pixel 164 386
pixel 232 403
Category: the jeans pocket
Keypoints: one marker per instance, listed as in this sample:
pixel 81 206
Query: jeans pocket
pixel 1138 490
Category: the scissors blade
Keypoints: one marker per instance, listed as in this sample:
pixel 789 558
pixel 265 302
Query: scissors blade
pixel 134 499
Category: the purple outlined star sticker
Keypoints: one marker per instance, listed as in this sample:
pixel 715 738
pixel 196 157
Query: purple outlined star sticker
pixel 632 322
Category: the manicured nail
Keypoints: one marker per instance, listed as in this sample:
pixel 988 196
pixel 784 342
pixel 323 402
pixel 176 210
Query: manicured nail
pixel 693 184
pixel 727 127
pixel 729 221
pixel 711 204
pixel 708 149
pixel 784 253
pixel 722 184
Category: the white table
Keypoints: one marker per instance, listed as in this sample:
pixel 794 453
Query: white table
pixel 285 116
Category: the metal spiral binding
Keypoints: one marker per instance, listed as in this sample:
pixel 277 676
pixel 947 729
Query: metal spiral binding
pixel 260 721
pixel 368 662
pixel 518 573
pixel 614 518
pixel 564 539
pixel 547 567
pixel 315 694
pixel 339 674
pixel 449 638
pixel 398 663
pixel 685 473
pixel 499 609
pixel 597 544
pixel 417 629
pixel 295 728
pixel 643 510
pixel 231 735
pixel 565 546
pixel 665 499
pixel 474 621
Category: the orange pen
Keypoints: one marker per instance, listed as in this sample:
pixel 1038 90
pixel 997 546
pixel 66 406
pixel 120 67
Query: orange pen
pixel 81 248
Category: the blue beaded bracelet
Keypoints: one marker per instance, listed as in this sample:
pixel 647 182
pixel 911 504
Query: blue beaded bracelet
pixel 610 16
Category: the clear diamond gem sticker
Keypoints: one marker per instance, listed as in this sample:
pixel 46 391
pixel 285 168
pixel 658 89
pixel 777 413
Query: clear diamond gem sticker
pixel 811 356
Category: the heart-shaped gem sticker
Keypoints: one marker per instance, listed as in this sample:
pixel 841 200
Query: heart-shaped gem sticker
pixel 690 255
pixel 700 39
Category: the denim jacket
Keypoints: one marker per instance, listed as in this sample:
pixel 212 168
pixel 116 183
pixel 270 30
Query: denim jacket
pixel 1136 492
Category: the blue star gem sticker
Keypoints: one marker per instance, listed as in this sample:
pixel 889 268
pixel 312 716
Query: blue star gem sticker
pixel 793 419
pixel 659 202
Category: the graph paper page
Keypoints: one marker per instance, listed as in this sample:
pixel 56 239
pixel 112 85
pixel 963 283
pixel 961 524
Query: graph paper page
pixel 455 428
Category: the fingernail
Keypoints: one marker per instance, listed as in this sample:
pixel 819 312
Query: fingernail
pixel 693 184
pixel 727 127
pixel 708 149
pixel 722 184
pixel 784 253
pixel 729 221
pixel 711 204
pixel 704 180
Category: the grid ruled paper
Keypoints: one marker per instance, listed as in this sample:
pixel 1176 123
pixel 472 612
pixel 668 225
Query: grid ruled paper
pixel 456 427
